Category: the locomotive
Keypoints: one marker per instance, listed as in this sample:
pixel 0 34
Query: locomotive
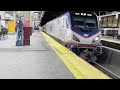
pixel 79 31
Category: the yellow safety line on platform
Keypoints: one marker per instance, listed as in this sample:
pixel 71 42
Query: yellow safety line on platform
pixel 110 40
pixel 79 67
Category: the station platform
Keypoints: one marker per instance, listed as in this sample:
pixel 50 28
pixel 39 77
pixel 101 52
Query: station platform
pixel 110 39
pixel 111 42
pixel 37 61
pixel 43 59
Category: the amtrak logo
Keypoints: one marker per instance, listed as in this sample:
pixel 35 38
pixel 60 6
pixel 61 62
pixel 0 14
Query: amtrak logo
pixel 86 35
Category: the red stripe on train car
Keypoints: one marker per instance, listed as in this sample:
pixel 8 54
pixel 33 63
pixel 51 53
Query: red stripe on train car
pixel 75 44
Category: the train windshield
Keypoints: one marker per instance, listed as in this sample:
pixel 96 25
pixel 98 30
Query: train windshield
pixel 85 21
pixel 90 23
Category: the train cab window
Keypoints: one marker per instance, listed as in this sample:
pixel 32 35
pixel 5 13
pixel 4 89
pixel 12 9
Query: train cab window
pixel 78 22
pixel 91 23
pixel 85 22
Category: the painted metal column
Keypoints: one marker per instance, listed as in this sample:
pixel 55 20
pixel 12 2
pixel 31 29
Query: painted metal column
pixel 27 15
pixel 14 17
pixel 27 20
pixel 2 14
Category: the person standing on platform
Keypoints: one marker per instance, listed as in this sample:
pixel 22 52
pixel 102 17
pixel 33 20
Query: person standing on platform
pixel 113 34
pixel 19 29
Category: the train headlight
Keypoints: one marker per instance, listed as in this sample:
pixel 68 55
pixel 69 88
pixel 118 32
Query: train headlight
pixel 96 39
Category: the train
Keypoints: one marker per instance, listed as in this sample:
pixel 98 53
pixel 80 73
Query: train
pixel 79 31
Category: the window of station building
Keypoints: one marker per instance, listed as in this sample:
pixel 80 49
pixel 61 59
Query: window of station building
pixel 101 22
pixel 115 21
pixel 109 23
pixel 104 21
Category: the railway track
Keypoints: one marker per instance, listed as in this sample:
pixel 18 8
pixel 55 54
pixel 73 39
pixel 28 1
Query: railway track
pixel 109 62
pixel 105 70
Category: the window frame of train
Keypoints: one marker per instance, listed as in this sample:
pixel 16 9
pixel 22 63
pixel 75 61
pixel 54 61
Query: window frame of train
pixel 84 18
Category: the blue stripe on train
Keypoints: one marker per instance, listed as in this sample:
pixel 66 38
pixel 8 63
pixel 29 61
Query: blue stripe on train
pixel 82 33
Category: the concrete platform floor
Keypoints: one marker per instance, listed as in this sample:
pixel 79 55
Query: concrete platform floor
pixel 37 61
pixel 111 39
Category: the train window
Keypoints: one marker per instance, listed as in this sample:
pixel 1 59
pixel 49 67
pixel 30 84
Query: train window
pixel 80 23
pixel 85 23
pixel 51 28
pixel 77 19
pixel 91 23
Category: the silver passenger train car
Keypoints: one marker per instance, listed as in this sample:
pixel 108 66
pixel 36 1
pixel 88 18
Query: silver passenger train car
pixel 78 31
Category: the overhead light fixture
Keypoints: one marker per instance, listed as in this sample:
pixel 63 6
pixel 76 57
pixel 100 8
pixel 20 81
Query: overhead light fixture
pixel 89 14
pixel 77 13
pixel 84 14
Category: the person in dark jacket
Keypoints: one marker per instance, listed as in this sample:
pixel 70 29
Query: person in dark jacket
pixel 113 34
pixel 19 29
